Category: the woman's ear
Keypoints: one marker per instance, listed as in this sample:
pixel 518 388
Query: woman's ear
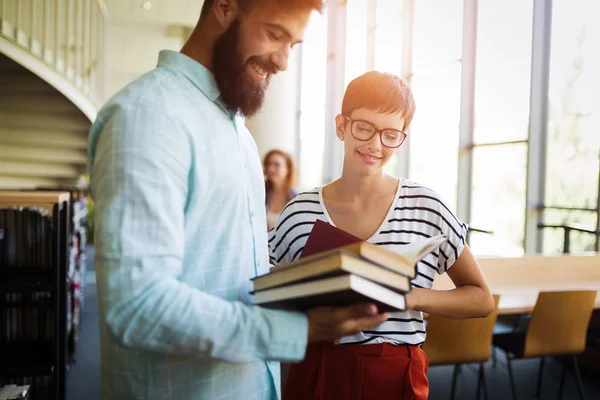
pixel 225 12
pixel 340 122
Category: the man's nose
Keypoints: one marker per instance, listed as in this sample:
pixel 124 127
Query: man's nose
pixel 280 58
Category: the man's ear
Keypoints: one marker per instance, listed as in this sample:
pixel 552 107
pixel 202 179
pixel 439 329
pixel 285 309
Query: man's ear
pixel 225 11
pixel 340 121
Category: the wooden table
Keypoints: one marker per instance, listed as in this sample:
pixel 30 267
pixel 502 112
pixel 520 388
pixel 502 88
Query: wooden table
pixel 519 280
pixel 521 300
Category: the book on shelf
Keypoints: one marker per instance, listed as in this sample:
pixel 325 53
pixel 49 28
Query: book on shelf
pixel 337 268
pixel 26 266
pixel 33 287
pixel 27 241
pixel 14 392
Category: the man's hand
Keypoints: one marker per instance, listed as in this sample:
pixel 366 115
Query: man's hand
pixel 331 323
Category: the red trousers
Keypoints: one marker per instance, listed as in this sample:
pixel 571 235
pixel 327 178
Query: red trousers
pixel 359 372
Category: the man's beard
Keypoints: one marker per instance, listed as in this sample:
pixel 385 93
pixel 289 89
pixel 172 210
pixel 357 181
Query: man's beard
pixel 239 91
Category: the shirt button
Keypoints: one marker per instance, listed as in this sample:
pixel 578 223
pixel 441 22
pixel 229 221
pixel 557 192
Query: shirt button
pixel 213 95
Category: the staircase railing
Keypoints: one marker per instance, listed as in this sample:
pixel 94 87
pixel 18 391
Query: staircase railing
pixel 68 36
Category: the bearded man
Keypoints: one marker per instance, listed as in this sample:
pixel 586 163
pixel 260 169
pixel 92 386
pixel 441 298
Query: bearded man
pixel 180 219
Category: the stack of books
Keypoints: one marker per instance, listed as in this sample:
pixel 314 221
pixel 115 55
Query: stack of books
pixel 339 269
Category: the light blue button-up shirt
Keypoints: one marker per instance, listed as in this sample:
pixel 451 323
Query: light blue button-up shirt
pixel 180 231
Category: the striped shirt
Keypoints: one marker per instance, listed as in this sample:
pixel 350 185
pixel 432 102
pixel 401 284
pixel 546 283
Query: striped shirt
pixel 416 214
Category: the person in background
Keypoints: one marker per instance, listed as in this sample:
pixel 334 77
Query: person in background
pixel 385 362
pixel 280 178
pixel 180 218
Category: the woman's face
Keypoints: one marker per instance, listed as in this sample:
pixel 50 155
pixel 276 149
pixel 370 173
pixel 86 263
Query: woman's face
pixel 276 169
pixel 366 157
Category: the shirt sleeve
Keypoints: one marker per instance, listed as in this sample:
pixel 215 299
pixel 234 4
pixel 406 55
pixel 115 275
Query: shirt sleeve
pixel 456 232
pixel 287 234
pixel 139 166
pixel 279 251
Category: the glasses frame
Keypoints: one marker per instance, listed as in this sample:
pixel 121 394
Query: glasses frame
pixel 377 131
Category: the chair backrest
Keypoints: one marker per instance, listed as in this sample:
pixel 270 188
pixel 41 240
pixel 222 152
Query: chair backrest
pixel 559 323
pixel 453 341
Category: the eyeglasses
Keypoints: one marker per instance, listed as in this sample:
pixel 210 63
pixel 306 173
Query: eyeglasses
pixel 274 164
pixel 364 131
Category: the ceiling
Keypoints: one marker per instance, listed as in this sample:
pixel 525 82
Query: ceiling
pixel 160 12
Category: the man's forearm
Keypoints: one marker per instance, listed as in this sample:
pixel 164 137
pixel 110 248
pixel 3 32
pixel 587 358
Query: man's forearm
pixel 169 316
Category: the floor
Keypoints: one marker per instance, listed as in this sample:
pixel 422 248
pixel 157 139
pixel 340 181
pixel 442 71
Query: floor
pixel 83 380
pixel 84 377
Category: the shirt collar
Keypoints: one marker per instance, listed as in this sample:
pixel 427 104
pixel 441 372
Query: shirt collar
pixel 200 76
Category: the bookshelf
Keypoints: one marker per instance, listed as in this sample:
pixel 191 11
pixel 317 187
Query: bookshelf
pixel 78 210
pixel 45 199
pixel 33 290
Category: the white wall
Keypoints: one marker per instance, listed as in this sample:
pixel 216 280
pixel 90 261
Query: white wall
pixel 276 124
pixel 43 136
pixel 133 50
pixel 161 12
pixel 135 37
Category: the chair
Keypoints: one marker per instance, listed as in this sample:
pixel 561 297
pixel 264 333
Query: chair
pixel 558 326
pixel 461 341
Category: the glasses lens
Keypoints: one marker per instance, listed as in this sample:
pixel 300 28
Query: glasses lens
pixel 392 138
pixel 362 130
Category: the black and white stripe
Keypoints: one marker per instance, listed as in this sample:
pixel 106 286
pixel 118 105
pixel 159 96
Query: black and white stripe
pixel 417 213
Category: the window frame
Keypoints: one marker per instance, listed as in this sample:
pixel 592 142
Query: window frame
pixel 537 136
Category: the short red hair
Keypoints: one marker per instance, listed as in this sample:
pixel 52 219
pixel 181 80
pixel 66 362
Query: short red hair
pixel 290 179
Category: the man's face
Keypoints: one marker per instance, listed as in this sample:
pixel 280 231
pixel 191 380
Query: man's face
pixel 256 46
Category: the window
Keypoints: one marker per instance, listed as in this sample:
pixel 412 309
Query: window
pixel 312 103
pixel 356 39
pixel 573 123
pixel 498 199
pixel 388 42
pixel 437 34
pixel 434 133
pixel 433 137
pixel 502 87
pixel 503 73
pixel 388 36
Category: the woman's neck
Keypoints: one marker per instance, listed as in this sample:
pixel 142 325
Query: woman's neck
pixel 278 188
pixel 351 186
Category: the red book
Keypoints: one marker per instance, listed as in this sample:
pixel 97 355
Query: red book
pixel 324 237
